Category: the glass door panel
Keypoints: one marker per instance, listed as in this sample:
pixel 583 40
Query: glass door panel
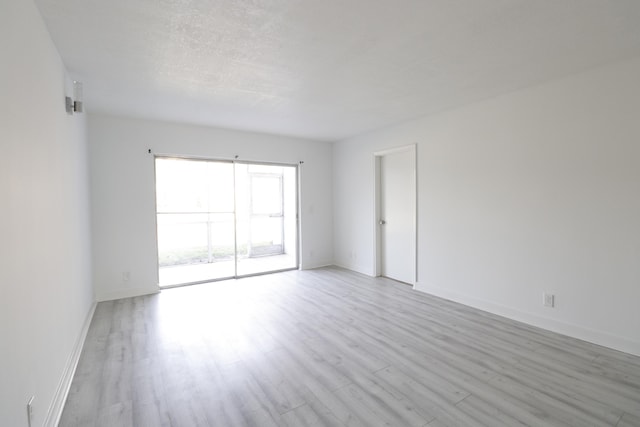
pixel 182 239
pixel 195 220
pixel 260 210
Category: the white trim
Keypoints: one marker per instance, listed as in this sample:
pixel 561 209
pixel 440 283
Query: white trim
pixel 352 267
pixel 299 252
pixel 59 398
pixel 125 293
pixel 319 264
pixel 568 329
pixel 377 258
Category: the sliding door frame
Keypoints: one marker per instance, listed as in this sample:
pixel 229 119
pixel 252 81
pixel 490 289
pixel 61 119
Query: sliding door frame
pixel 234 162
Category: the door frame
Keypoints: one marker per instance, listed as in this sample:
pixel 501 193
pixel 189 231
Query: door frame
pixel 377 206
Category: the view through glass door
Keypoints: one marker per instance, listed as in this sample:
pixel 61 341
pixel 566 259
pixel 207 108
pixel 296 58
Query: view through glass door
pixel 220 219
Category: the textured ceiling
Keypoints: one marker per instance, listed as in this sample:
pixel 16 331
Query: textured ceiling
pixel 326 69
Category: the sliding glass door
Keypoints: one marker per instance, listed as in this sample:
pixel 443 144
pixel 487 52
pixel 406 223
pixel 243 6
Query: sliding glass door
pixel 220 219
pixel 266 218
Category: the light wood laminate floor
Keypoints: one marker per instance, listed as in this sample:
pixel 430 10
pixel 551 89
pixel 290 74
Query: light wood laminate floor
pixel 329 347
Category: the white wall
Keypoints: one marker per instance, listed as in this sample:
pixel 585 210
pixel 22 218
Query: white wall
pixel 534 191
pixel 45 271
pixel 123 192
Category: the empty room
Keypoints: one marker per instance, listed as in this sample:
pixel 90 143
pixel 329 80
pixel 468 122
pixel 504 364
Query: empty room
pixel 320 213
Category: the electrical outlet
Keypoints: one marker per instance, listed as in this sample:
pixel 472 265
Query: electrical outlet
pixel 30 410
pixel 548 300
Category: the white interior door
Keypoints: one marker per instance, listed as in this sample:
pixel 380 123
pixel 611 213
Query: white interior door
pixel 397 211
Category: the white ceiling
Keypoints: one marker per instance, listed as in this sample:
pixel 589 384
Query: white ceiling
pixel 326 69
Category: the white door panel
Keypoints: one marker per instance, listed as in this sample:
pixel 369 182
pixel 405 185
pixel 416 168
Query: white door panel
pixel 397 215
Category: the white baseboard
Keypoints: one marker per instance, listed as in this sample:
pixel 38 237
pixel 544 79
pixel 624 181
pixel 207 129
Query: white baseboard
pixel 575 331
pixel 125 293
pixel 316 265
pixel 57 404
pixel 353 267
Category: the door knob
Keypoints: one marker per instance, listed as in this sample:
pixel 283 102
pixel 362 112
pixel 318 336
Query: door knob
pixel 382 222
